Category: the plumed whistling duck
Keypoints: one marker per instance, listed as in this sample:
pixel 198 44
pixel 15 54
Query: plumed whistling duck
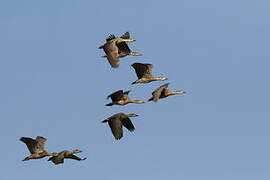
pixel 59 158
pixel 144 73
pixel 116 48
pixel 36 147
pixel 163 92
pixel 117 121
pixel 121 98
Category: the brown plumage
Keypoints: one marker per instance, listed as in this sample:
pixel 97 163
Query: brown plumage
pixel 117 121
pixel 59 158
pixel 36 147
pixel 121 98
pixel 144 73
pixel 163 92
pixel 123 49
pixel 116 48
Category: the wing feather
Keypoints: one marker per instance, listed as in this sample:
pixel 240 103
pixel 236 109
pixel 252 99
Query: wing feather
pixel 128 124
pixel 157 93
pixel 30 143
pixel 111 51
pixel 116 128
pixel 72 156
pixel 142 70
pixel 116 96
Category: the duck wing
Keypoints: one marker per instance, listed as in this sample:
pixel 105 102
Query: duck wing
pixel 142 70
pixel 59 159
pixel 116 96
pixel 128 124
pixel 72 156
pixel 116 128
pixel 34 145
pixel 158 92
pixel 111 51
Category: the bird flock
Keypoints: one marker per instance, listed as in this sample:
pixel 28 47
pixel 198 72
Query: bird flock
pixel 114 48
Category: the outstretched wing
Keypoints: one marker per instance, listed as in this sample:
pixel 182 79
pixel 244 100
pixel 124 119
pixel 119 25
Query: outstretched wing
pixel 41 143
pixel 157 93
pixel 111 51
pixel 128 124
pixel 109 38
pixel 72 156
pixel 34 145
pixel 59 159
pixel 116 128
pixel 30 143
pixel 116 96
pixel 123 49
pixel 142 70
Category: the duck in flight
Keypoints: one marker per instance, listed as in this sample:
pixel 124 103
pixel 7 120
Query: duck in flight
pixel 36 147
pixel 163 92
pixel 116 48
pixel 59 158
pixel 117 121
pixel 144 73
pixel 121 98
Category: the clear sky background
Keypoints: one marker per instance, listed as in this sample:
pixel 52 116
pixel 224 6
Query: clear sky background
pixel 54 84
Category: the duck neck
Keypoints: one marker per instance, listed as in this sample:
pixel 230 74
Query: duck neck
pixel 135 54
pixel 176 92
pixel 74 151
pixel 136 101
pixel 52 154
pixel 161 78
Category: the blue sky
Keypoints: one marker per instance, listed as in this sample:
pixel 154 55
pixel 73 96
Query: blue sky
pixel 54 84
